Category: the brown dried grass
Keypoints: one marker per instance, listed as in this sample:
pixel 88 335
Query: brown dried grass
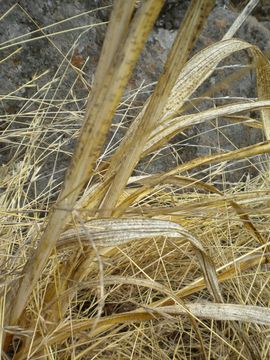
pixel 160 266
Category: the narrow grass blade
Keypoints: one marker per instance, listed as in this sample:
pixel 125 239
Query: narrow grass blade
pixel 164 132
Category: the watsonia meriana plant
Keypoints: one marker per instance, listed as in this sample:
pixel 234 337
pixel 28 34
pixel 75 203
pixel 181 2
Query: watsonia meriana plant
pixel 98 212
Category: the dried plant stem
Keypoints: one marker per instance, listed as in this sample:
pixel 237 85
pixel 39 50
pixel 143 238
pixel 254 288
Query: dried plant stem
pixel 101 106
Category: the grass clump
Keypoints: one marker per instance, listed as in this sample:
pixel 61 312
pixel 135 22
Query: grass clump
pixel 157 265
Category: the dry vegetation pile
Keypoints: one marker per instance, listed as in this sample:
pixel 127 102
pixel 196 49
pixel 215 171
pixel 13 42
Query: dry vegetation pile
pixel 137 265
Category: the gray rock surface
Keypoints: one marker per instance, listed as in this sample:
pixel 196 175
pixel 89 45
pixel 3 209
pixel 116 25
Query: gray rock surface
pixel 58 60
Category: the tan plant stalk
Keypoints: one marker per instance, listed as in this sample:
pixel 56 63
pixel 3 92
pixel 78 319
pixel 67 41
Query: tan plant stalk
pixel 101 105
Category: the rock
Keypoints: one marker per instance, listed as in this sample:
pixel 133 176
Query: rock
pixel 43 64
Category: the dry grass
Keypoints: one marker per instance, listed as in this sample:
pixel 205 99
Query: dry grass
pixel 119 264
